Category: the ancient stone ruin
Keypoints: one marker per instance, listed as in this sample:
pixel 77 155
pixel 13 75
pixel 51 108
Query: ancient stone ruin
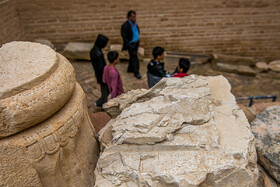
pixel 182 132
pixel 46 137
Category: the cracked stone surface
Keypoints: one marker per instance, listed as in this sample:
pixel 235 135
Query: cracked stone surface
pixel 181 132
pixel 266 128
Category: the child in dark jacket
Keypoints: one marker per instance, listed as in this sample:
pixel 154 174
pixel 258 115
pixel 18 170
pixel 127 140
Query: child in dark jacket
pixel 156 68
pixel 111 75
pixel 182 69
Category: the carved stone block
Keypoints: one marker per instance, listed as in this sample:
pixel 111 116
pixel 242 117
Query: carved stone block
pixel 35 83
pixel 60 151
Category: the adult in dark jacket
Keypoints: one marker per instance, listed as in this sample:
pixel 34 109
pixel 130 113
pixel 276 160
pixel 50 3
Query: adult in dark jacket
pixel 98 63
pixel 131 34
pixel 156 68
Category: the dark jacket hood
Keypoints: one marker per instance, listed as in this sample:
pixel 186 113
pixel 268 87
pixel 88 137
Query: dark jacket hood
pixel 101 41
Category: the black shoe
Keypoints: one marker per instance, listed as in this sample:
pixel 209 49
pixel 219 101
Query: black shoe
pixel 98 105
pixel 138 76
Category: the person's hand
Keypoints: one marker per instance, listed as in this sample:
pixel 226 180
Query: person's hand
pixel 167 74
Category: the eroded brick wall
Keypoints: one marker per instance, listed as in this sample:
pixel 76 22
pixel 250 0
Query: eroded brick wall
pixel 10 26
pixel 240 27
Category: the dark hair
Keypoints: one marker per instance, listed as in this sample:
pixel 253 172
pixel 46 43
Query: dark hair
pixel 130 12
pixel 185 64
pixel 157 51
pixel 112 56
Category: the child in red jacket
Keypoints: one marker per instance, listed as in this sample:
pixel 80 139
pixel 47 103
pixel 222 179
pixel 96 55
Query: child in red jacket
pixel 183 68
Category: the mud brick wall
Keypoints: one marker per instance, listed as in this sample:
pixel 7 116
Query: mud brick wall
pixel 238 27
pixel 10 26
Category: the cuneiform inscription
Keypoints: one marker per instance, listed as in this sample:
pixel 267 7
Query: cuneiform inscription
pixel 48 141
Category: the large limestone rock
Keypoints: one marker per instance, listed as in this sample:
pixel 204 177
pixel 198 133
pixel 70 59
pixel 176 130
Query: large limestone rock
pixel 234 60
pixel 234 64
pixel 181 132
pixel 262 66
pixel 78 50
pixel 240 69
pixel 60 151
pixel 35 83
pixel 274 65
pixel 266 128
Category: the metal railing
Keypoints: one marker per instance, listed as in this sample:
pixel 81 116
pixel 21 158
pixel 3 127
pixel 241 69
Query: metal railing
pixel 251 98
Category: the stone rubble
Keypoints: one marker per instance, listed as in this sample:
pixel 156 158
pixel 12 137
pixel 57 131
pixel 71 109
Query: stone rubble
pixel 262 66
pixel 266 128
pixel 181 132
pixel 274 65
pixel 77 50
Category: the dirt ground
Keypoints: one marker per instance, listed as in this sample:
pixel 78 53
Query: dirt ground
pixel 242 86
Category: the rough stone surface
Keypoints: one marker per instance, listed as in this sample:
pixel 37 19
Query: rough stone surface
pixel 264 179
pixel 115 106
pixel 78 50
pixel 266 128
pixel 60 151
pixel 274 65
pixel 241 69
pixel 35 83
pixel 234 60
pixel 234 64
pixel 124 54
pixel 181 132
pixel 262 66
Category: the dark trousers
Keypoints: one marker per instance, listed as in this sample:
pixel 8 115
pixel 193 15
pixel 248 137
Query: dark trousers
pixel 133 58
pixel 104 94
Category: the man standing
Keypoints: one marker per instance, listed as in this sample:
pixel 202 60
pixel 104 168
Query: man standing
pixel 98 63
pixel 131 35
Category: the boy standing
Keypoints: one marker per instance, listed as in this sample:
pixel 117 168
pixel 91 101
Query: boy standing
pixel 111 75
pixel 183 68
